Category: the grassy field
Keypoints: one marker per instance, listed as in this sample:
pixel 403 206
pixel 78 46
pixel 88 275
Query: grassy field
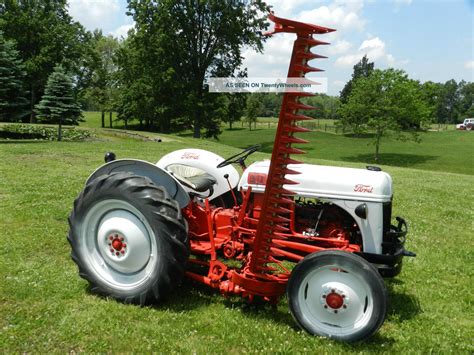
pixel 45 306
pixel 450 151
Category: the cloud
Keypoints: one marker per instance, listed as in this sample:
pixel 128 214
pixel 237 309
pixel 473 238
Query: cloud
pixel 287 7
pixel 339 47
pixel 375 50
pixel 339 83
pixel 94 13
pixel 343 16
pixel 403 2
pixel 122 31
pixel 469 64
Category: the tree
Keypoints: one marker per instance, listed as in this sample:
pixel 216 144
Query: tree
pixel 13 104
pixel 466 99
pixel 361 70
pixel 58 104
pixel 449 101
pixel 432 95
pixel 389 102
pixel 142 95
pixel 253 109
pixel 235 105
pixel 192 40
pixel 45 35
pixel 101 93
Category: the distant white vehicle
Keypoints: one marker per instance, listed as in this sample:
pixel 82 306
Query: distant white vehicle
pixel 467 125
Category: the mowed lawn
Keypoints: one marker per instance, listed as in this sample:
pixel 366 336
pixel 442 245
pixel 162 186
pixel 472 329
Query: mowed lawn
pixel 451 150
pixel 45 306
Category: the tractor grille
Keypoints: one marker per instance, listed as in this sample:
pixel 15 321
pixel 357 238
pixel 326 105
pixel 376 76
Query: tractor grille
pixel 387 216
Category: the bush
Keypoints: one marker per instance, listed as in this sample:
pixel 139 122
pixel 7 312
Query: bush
pixel 25 131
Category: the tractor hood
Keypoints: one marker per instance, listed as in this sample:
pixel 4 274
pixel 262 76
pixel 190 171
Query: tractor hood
pixel 317 181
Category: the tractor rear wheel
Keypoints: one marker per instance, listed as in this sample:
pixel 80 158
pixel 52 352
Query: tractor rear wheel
pixel 338 295
pixel 128 238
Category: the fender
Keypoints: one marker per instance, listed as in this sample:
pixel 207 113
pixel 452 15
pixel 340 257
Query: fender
pixel 143 168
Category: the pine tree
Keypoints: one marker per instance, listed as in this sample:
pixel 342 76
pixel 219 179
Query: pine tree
pixel 58 104
pixel 13 103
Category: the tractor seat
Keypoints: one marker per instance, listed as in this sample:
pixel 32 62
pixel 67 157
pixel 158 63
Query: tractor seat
pixel 194 178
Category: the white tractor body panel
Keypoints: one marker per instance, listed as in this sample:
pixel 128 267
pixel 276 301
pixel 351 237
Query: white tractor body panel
pixel 206 161
pixel 344 187
pixel 317 181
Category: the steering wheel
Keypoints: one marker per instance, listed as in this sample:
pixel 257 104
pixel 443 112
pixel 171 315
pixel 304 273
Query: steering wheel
pixel 239 158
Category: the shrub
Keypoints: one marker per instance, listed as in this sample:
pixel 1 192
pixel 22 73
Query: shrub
pixel 26 131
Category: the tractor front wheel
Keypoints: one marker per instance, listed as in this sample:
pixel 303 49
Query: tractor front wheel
pixel 128 238
pixel 338 295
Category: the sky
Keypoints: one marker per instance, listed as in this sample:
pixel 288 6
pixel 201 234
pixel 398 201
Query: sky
pixel 432 40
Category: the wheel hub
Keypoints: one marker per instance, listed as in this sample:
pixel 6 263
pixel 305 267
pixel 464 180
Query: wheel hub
pixel 125 241
pixel 117 244
pixel 334 300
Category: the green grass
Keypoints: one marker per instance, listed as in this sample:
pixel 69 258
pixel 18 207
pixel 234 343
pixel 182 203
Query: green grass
pixel 450 151
pixel 45 306
pixel 93 119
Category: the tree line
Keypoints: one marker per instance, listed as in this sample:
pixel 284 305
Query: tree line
pixel 156 77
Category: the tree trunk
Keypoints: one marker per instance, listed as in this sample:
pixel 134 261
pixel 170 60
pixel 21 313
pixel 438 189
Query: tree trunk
pixel 32 105
pixel 103 119
pixel 198 108
pixel 377 144
pixel 110 119
pixel 126 123
pixel 230 125
pixel 60 131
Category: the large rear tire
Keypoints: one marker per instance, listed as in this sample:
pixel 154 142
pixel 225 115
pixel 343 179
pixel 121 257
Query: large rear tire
pixel 337 295
pixel 128 238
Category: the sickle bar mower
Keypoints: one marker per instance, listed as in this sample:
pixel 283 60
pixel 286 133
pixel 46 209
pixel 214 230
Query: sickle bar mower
pixel 276 205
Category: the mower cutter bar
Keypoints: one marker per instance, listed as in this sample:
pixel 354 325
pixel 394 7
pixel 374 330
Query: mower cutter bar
pixel 277 204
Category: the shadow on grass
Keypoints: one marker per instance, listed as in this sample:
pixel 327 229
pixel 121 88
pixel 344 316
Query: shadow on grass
pixel 185 134
pixel 360 135
pixel 402 306
pixel 23 141
pixel 266 147
pixel 235 129
pixel 393 159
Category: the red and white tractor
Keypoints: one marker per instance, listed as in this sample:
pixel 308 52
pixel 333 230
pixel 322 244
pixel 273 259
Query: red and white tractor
pixel 324 236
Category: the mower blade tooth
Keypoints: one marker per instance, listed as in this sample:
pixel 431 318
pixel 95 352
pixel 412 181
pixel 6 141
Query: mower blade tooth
pixel 279 210
pixel 293 150
pixel 291 128
pixel 291 172
pixel 292 161
pixel 285 181
pixel 299 106
pixel 281 228
pixel 307 69
pixel 313 42
pixel 294 117
pixel 301 93
pixel 309 55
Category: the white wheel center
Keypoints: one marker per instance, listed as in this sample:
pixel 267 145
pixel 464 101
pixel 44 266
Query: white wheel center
pixel 123 241
pixel 335 300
